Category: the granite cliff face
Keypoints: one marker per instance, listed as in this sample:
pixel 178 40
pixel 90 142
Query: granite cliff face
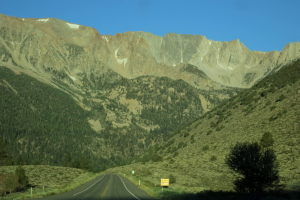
pixel 228 63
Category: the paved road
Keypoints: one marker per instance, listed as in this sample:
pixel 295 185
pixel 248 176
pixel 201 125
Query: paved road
pixel 106 187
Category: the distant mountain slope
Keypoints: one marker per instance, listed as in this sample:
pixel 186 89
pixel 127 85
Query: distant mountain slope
pixel 195 155
pixel 38 44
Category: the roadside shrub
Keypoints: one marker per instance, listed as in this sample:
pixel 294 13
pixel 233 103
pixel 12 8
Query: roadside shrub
pixel 186 134
pixel 8 183
pixel 192 139
pixel 267 140
pixel 280 98
pixel 209 132
pixel 257 167
pixel 172 179
pixel 205 148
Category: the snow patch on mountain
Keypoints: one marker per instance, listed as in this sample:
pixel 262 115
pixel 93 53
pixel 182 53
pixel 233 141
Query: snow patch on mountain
pixel 42 20
pixel 73 26
pixel 105 38
pixel 120 60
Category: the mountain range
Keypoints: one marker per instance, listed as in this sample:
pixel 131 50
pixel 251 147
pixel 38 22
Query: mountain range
pixel 74 97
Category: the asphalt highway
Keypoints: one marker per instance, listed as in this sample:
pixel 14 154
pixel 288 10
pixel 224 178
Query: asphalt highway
pixel 106 187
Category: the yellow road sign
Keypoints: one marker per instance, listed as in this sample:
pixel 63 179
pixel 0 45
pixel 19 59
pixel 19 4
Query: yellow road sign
pixel 164 182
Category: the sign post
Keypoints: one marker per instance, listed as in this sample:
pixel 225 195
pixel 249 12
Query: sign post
pixel 164 182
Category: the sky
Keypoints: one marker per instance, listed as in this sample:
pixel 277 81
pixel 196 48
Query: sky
pixel 262 25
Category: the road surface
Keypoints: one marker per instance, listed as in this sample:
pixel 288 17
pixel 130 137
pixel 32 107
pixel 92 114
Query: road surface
pixel 106 187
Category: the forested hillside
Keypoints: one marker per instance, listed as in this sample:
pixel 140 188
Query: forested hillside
pixel 117 119
pixel 38 123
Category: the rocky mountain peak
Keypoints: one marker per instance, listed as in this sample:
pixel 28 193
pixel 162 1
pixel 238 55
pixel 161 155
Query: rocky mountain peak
pixel 134 54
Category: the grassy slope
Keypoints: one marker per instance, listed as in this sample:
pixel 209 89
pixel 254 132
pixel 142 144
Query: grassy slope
pixel 195 155
pixel 53 179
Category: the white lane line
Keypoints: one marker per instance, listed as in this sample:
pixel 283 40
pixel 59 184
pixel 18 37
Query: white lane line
pixel 88 187
pixel 129 190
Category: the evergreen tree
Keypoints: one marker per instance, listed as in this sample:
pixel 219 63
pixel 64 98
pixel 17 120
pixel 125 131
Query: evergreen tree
pixel 4 157
pixel 257 167
pixel 21 177
pixel 172 179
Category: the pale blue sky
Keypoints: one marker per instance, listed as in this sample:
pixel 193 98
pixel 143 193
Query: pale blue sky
pixel 263 25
